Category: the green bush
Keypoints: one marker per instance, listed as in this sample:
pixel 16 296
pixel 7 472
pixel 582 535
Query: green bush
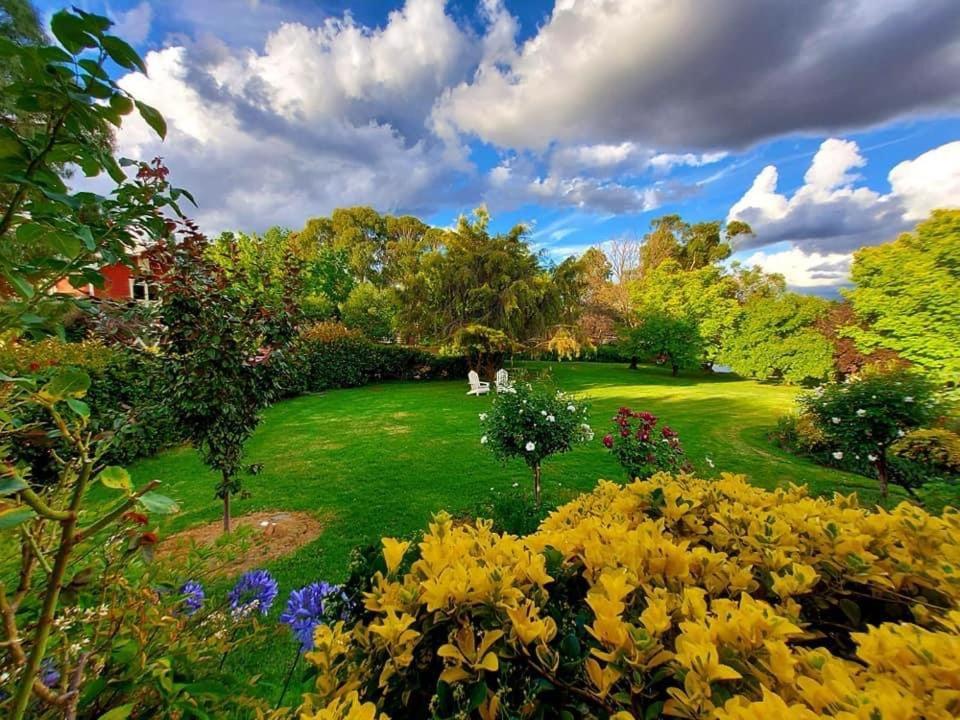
pixel 929 455
pixel 327 355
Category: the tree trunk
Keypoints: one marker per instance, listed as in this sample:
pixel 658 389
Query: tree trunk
pixel 633 362
pixel 676 370
pixel 882 475
pixel 226 512
pixel 536 484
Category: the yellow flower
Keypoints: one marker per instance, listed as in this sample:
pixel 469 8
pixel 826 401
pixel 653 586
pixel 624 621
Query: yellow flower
pixel 393 552
pixel 346 708
pixel 655 617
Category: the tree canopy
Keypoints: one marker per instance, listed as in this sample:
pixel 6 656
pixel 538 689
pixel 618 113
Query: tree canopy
pixel 907 292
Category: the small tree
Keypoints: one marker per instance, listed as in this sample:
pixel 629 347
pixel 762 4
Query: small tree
pixel 533 423
pixel 665 338
pixel 867 414
pixel 218 347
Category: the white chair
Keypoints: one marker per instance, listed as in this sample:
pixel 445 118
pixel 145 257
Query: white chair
pixel 503 381
pixel 477 386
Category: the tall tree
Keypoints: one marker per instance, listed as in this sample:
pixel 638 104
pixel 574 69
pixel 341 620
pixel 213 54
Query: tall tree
pixel 776 338
pixel 665 338
pixel 907 292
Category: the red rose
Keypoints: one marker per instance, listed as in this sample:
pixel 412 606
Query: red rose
pixel 608 441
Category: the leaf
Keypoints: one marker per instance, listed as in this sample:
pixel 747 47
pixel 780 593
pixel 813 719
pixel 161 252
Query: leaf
pixel 122 54
pixel 11 485
pixel 118 713
pixel 116 478
pixel 121 103
pixel 478 693
pixel 79 407
pixel 69 30
pixel 153 118
pixel 851 610
pixel 159 504
pixel 14 516
pixel 20 284
pixel 66 384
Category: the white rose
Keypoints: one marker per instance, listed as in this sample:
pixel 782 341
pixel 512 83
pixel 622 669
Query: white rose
pixel 835 420
pixel 483 440
pixel 483 416
pixel 838 455
pixel 551 418
pixel 871 457
pixel 571 408
pixel 543 412
pixel 861 412
pixel 908 398
pixel 530 447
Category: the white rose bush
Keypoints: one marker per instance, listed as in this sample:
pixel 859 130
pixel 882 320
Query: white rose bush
pixel 533 422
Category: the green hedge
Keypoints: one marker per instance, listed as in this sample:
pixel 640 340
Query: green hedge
pixel 350 361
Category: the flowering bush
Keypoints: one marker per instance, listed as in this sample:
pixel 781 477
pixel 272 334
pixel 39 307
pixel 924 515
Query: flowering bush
pixel 865 415
pixel 532 423
pixel 641 448
pixel 669 596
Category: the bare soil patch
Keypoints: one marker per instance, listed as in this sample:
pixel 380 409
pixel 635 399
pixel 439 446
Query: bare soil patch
pixel 255 540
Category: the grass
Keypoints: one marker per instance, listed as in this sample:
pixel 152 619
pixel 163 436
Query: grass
pixel 380 460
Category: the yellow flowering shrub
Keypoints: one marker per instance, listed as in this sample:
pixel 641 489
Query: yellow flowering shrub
pixel 671 596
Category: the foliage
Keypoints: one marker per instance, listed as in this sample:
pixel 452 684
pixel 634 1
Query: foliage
pixel 926 455
pixel 641 448
pixel 848 357
pixel 64 96
pixel 664 338
pixel 329 355
pixel 908 293
pixel 864 416
pixel 127 400
pixel 370 310
pixel 472 279
pixel 672 596
pixel 691 246
pixel 220 351
pixel 532 423
pixel 706 296
pixel 776 339
pixel 50 525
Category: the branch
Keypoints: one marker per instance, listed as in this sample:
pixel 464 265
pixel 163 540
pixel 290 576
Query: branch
pixel 42 509
pixel 87 532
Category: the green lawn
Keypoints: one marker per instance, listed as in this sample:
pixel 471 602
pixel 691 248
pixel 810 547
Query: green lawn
pixel 379 460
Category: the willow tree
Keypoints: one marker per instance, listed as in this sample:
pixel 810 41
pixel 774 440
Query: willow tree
pixel 473 285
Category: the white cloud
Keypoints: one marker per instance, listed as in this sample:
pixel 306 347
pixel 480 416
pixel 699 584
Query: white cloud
pixel 931 180
pixel 829 215
pixel 688 74
pixel 802 270
pixel 133 25
pixel 323 117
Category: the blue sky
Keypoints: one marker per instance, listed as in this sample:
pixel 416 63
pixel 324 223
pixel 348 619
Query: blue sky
pixel 826 124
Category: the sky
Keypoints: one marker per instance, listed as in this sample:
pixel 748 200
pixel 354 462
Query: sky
pixel 825 124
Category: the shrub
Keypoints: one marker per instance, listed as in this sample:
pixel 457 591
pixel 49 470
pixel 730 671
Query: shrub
pixel 533 423
pixel 670 596
pixel 924 456
pixel 865 415
pixel 329 355
pixel 641 448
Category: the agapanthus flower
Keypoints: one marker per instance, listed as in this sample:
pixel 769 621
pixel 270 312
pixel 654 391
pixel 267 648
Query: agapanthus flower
pixel 255 590
pixel 193 596
pixel 49 674
pixel 305 609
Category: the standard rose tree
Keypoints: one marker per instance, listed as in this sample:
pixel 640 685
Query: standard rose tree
pixel 533 423
pixel 864 416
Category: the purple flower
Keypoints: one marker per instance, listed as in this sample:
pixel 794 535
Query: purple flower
pixel 193 596
pixel 49 675
pixel 255 590
pixel 305 610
